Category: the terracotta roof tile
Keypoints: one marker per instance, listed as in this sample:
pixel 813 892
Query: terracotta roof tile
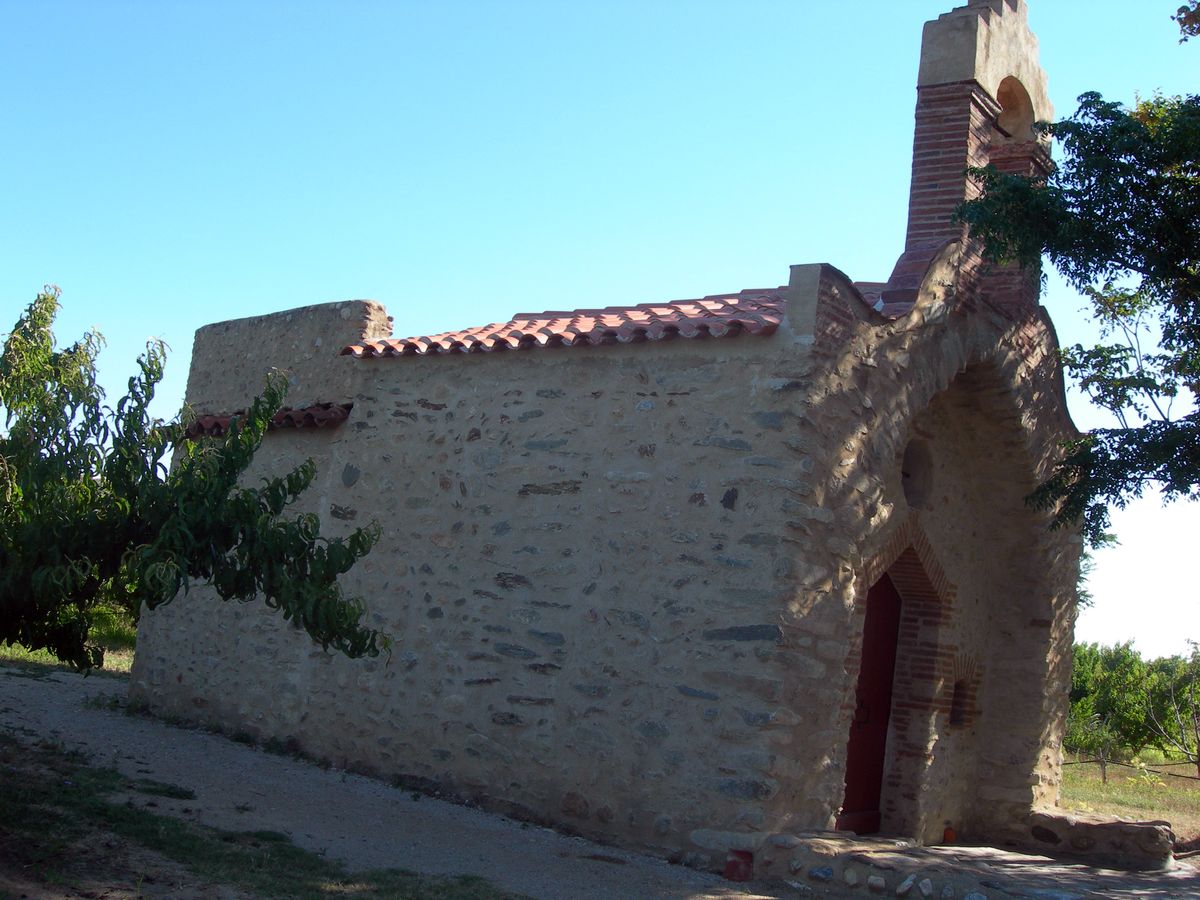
pixel 321 415
pixel 721 315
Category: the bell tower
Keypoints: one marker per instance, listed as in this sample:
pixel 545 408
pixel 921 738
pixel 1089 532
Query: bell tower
pixel 980 89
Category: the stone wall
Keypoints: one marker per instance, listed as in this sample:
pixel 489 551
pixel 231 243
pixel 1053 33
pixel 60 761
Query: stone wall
pixel 585 554
pixel 304 343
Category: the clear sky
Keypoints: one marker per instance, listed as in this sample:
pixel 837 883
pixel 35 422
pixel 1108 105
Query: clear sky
pixel 170 164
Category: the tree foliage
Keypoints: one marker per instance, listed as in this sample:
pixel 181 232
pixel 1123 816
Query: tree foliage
pixel 1188 19
pixel 91 512
pixel 1120 219
pixel 1173 713
pixel 1121 704
pixel 1109 686
pixel 1095 737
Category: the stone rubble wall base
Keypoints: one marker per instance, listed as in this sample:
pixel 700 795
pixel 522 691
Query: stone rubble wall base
pixel 823 861
pixel 1108 842
pixel 817 863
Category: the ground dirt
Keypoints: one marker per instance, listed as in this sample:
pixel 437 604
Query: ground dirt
pixel 58 729
pixel 105 867
pixel 362 823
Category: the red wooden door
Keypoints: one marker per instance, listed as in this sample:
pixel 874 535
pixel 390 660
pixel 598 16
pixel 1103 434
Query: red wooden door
pixel 873 707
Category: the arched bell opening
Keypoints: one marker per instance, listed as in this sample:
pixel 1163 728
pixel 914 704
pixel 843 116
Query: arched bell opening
pixel 1016 116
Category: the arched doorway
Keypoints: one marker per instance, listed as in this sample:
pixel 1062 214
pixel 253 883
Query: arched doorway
pixel 904 672
pixel 966 736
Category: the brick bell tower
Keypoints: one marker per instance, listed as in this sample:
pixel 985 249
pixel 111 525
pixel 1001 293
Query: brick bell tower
pixel 980 89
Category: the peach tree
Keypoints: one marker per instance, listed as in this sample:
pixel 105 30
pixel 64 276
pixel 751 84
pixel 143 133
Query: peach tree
pixel 92 512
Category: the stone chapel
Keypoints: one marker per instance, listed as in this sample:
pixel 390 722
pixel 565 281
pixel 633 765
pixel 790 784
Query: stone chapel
pixel 680 576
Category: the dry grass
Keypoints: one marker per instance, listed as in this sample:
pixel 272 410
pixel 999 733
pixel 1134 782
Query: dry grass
pixel 1132 794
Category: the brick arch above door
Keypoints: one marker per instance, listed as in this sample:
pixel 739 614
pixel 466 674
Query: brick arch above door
pixel 924 679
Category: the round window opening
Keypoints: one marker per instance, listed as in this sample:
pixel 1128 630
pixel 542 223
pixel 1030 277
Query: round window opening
pixel 916 473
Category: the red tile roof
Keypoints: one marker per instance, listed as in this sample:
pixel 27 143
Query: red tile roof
pixel 721 315
pixel 322 415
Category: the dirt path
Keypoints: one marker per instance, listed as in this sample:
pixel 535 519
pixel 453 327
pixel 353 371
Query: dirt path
pixel 364 823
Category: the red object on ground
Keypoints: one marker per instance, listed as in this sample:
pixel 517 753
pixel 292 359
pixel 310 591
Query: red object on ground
pixel 739 865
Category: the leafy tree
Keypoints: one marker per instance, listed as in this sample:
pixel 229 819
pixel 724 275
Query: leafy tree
pixel 1173 708
pixel 1083 591
pixel 90 512
pixel 1093 736
pixel 1120 704
pixel 1120 219
pixel 1109 698
pixel 1188 17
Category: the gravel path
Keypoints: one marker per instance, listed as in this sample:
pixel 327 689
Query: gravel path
pixel 362 822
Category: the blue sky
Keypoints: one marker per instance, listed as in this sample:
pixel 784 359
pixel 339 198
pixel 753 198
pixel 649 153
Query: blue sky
pixel 171 164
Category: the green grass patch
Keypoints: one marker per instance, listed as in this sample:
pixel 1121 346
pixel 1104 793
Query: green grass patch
pixel 112 629
pixel 1132 794
pixel 52 803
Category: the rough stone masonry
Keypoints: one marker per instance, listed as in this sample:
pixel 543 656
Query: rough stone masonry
pixel 629 555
